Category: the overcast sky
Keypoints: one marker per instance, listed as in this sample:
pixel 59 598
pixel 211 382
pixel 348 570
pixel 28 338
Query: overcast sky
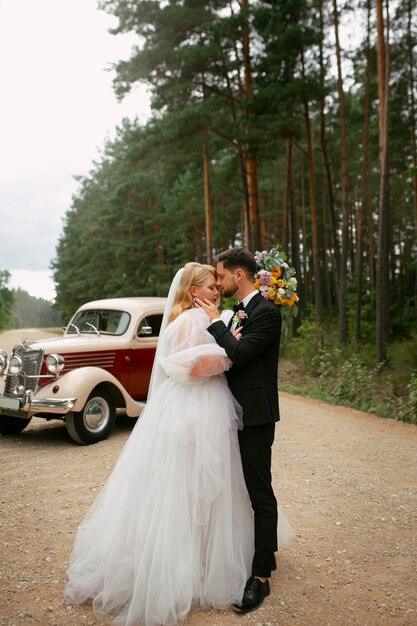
pixel 56 110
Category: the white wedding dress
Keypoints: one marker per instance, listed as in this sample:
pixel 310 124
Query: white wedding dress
pixel 173 526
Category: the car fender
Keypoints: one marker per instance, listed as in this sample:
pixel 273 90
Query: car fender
pixel 80 382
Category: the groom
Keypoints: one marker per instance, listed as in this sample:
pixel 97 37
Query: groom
pixel 253 381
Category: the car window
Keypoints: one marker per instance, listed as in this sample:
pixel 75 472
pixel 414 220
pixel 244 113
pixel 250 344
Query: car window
pixel 151 321
pixel 106 321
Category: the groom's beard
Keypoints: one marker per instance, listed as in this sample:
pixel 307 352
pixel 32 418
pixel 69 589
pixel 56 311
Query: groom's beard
pixel 228 292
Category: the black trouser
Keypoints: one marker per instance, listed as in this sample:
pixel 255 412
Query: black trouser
pixel 256 450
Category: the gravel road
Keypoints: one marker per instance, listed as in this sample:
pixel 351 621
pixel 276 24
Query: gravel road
pixel 345 479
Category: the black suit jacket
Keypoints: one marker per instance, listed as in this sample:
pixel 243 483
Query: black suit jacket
pixel 253 377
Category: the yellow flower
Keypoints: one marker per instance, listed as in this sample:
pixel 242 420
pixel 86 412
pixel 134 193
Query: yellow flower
pixel 280 283
pixel 272 294
pixel 257 284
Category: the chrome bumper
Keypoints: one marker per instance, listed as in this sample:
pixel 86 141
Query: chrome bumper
pixel 30 405
pixel 53 403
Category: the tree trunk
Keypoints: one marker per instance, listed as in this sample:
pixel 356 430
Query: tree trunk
pixel 313 210
pixel 285 222
pixel 412 109
pixel 254 226
pixel 293 223
pixel 250 161
pixel 289 191
pixel 207 201
pixel 306 270
pixel 382 276
pixel 246 236
pixel 331 226
pixel 343 325
pixel 242 164
pixel 362 209
pixel 326 256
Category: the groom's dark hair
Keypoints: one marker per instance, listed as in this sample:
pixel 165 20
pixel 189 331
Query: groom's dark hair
pixel 235 258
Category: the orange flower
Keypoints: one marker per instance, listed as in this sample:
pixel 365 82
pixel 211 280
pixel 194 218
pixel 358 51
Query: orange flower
pixel 257 284
pixel 277 272
pixel 291 301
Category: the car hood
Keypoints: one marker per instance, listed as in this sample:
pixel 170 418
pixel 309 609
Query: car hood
pixel 83 343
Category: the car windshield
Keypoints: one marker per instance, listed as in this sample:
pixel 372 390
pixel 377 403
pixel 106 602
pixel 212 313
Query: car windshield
pixel 104 321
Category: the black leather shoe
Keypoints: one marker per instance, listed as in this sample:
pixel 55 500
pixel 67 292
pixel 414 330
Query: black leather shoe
pixel 253 596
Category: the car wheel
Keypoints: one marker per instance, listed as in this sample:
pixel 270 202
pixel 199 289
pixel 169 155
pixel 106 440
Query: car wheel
pixel 12 425
pixel 96 420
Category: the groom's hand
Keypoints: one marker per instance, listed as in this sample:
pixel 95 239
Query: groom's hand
pixel 208 307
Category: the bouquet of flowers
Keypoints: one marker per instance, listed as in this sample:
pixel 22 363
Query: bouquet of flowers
pixel 276 281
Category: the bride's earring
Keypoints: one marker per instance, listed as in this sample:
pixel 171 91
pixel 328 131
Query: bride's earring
pixel 193 301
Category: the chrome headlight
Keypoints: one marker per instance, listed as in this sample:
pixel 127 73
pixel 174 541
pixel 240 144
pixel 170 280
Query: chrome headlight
pixel 55 363
pixel 3 361
pixel 15 365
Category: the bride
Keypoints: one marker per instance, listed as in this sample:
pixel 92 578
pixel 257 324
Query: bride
pixel 173 526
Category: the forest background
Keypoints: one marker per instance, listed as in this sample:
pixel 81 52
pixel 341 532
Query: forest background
pixel 264 131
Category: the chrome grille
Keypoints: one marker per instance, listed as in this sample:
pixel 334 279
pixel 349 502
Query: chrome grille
pixel 32 362
pixel 92 359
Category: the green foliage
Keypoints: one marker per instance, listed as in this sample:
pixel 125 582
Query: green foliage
pixel 356 383
pixel 304 348
pixel 228 303
pixel 31 312
pixel 18 309
pixel 402 318
pixel 6 299
pixel 315 364
pixel 412 387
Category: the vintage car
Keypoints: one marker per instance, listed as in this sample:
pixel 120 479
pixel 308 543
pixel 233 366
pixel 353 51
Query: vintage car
pixel 100 367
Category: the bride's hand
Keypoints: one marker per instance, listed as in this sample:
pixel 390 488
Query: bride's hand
pixel 209 307
pixel 237 333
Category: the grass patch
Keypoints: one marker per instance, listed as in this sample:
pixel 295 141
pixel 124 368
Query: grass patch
pixel 315 394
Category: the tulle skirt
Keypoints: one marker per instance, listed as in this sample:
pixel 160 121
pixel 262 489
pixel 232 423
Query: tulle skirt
pixel 173 526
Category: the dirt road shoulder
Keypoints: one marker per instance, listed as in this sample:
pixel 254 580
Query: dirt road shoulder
pixel 345 479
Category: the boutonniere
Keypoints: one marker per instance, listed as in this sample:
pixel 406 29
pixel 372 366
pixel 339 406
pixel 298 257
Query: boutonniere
pixel 239 317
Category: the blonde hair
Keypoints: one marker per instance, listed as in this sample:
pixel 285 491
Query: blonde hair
pixel 194 274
